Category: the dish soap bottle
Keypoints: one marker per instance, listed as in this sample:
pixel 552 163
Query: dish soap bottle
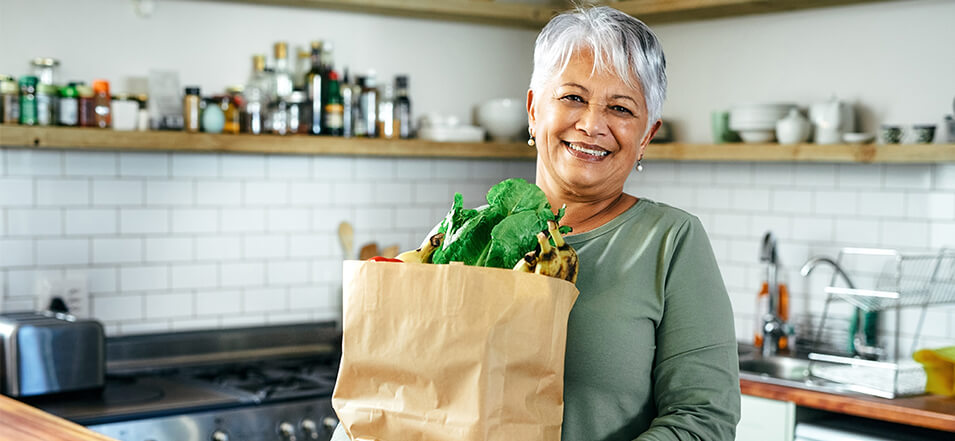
pixel 772 280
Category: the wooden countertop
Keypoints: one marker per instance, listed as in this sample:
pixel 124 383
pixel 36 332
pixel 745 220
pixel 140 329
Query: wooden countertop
pixel 20 422
pixel 929 411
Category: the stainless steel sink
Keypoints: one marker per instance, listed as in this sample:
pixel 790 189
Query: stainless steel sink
pixel 784 371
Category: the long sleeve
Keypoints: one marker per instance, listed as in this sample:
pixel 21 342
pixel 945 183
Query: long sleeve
pixel 696 369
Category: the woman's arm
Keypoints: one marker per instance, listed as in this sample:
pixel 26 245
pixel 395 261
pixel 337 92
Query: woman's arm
pixel 696 367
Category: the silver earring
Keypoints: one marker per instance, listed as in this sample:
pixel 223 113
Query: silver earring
pixel 639 166
pixel 530 142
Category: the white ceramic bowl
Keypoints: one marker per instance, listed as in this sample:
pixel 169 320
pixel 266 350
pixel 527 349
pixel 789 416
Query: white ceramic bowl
pixel 505 119
pixel 757 136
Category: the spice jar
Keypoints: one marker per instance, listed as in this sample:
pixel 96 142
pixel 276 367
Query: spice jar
pixel 67 108
pixel 87 108
pixel 9 101
pixel 45 70
pixel 190 109
pixel 125 112
pixel 46 104
pixel 102 116
pixel 299 113
pixel 28 100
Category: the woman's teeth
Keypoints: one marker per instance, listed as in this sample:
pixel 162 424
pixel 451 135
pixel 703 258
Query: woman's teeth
pixel 587 151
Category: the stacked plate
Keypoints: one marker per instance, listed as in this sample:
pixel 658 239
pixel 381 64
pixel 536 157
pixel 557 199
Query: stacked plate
pixel 757 122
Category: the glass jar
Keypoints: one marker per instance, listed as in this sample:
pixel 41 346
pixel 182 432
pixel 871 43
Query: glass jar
pixel 87 108
pixel 46 104
pixel 9 101
pixel 125 112
pixel 299 113
pixel 279 117
pixel 28 100
pixel 102 116
pixel 67 108
pixel 45 70
pixel 230 105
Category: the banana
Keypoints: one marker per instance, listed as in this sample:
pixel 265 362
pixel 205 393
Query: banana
pixel 558 260
pixel 527 263
pixel 567 255
pixel 424 252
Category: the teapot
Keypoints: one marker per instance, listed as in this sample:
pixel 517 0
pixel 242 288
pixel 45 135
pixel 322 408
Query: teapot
pixel 831 119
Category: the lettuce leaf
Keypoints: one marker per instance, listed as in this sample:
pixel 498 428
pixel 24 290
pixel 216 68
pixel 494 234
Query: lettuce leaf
pixel 500 233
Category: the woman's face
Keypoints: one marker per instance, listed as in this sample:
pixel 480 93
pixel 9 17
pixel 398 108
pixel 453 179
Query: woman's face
pixel 590 129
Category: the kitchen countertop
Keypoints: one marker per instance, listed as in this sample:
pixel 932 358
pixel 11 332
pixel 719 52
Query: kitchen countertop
pixel 929 411
pixel 20 422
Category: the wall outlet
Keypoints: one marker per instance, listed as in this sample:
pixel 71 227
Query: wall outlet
pixel 73 291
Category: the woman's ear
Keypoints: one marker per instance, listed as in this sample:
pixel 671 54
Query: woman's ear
pixel 531 112
pixel 650 133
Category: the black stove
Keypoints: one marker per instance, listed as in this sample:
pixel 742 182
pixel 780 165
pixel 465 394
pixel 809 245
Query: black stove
pixel 268 383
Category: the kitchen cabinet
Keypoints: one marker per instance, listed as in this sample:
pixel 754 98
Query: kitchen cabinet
pixel 536 13
pixel 762 419
pixel 97 139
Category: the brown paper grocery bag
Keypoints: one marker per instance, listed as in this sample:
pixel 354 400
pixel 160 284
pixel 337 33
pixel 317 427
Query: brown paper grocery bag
pixel 451 353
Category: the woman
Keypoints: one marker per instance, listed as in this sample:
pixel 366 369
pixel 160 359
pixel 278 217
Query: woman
pixel 651 350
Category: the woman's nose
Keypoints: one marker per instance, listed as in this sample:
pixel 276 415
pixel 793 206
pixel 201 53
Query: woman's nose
pixel 593 121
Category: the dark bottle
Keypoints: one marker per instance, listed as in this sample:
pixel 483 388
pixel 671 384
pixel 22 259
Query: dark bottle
pixel 87 108
pixel 403 107
pixel 28 111
pixel 314 86
pixel 334 121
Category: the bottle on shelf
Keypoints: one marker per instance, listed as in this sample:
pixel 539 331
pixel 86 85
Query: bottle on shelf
pixel 283 77
pixel 46 104
pixel 387 124
pixel 314 81
pixel 190 109
pixel 67 109
pixel 28 110
pixel 368 107
pixel 87 106
pixel 334 111
pixel 102 116
pixel 256 97
pixel 9 101
pixel 325 67
pixel 348 105
pixel 403 108
pixel 230 104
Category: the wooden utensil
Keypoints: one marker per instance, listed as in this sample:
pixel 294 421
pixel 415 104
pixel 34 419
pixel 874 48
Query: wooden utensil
pixel 368 251
pixel 346 234
pixel 390 252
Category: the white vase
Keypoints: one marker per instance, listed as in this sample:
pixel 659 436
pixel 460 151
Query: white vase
pixel 793 129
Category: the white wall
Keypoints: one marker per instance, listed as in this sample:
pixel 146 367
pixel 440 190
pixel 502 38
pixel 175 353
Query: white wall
pixel 452 66
pixel 893 60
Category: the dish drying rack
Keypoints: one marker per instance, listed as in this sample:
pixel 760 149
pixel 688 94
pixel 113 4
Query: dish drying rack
pixel 907 280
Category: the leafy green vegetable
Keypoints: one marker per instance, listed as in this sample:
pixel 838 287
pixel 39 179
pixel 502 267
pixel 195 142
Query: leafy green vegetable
pixel 500 233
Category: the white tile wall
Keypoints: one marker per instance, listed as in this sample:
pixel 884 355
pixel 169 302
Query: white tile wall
pixel 170 241
pixel 814 209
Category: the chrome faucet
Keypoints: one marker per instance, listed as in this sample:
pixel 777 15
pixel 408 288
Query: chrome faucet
pixel 859 343
pixel 773 327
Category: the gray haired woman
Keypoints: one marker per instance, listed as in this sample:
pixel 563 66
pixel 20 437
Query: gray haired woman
pixel 651 349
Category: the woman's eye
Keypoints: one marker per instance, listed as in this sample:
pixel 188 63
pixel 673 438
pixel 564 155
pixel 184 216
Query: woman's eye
pixel 622 109
pixel 576 98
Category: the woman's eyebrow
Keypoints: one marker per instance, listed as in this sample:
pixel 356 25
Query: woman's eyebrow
pixel 625 97
pixel 575 85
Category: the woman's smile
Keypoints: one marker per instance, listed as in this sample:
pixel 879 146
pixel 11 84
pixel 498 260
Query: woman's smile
pixel 587 152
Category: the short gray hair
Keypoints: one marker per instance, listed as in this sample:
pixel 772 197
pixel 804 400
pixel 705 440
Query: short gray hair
pixel 617 40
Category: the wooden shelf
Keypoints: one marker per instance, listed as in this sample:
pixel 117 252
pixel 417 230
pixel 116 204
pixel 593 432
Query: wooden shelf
pixel 97 139
pixel 536 14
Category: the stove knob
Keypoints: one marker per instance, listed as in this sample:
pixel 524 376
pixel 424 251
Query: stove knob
pixel 287 431
pixel 330 423
pixel 219 435
pixel 310 429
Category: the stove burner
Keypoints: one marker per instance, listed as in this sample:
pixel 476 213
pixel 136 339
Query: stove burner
pixel 271 381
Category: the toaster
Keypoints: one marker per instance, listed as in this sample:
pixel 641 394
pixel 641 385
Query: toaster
pixel 46 353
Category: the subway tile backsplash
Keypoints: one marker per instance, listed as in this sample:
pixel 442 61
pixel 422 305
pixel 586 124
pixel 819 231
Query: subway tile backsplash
pixel 177 241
